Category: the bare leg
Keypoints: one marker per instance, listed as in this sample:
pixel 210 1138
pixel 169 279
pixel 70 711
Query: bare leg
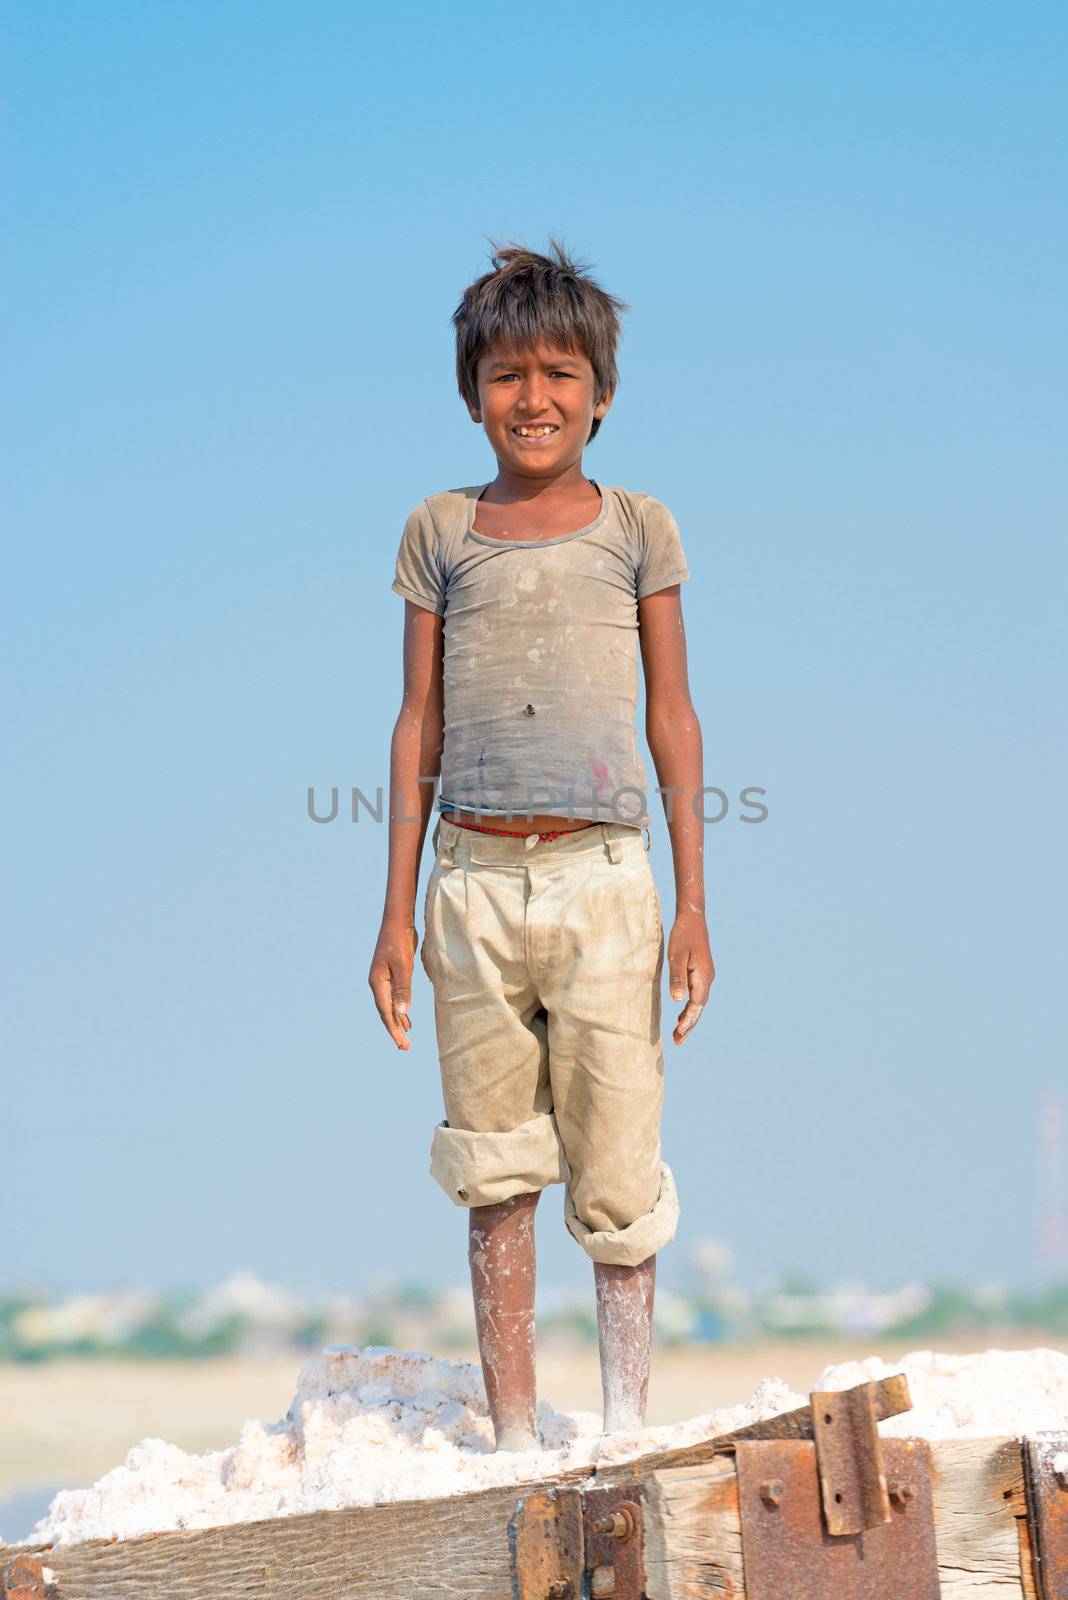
pixel 625 1333
pixel 501 1253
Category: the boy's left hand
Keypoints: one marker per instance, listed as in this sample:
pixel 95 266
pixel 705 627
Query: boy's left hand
pixel 691 970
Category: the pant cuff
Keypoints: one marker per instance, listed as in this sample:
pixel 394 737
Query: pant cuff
pixel 480 1169
pixel 629 1247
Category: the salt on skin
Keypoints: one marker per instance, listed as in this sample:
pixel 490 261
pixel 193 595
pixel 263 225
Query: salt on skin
pixel 376 1425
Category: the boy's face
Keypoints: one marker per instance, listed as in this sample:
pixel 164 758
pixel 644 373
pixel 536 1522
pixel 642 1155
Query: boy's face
pixel 537 406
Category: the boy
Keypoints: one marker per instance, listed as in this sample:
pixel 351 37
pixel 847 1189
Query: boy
pixel 543 942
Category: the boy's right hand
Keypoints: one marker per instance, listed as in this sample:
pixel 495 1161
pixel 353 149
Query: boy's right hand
pixel 390 978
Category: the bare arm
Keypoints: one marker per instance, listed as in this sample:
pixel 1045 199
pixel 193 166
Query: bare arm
pixel 415 752
pixel 674 736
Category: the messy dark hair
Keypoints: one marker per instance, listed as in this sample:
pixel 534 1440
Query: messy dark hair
pixel 529 299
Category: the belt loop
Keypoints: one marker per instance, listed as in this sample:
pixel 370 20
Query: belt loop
pixel 611 844
pixel 444 851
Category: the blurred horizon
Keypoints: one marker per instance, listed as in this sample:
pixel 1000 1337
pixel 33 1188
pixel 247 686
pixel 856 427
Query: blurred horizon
pixel 245 1316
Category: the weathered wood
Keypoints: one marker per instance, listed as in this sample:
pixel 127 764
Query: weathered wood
pixel 1027 1560
pixel 693 1533
pixel 458 1549
pixel 695 1552
pixel 449 1549
pixel 978 1495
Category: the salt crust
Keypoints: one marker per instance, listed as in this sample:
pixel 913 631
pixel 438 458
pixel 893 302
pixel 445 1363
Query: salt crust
pixel 375 1425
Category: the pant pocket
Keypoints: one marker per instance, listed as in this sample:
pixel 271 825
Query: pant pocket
pixel 636 895
pixel 428 907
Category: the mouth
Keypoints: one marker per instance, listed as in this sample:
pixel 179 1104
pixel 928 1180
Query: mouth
pixel 535 434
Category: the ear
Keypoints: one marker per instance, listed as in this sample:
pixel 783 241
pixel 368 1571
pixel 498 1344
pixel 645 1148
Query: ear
pixel 604 405
pixel 473 411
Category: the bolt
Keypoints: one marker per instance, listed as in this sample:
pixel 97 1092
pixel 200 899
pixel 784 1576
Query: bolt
pixel 772 1491
pixel 562 1589
pixel 618 1524
pixel 901 1493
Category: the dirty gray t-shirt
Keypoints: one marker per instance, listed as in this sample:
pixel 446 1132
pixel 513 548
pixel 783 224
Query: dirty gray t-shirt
pixel 540 653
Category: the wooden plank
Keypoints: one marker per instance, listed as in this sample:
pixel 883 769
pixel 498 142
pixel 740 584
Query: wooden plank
pixel 978 1496
pixel 694 1541
pixel 457 1548
pixel 891 1396
pixel 449 1549
pixel 693 1533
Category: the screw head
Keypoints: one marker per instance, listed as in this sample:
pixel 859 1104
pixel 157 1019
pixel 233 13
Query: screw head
pixel 900 1493
pixel 772 1491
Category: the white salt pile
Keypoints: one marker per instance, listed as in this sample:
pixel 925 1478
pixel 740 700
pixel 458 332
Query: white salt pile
pixel 373 1425
pixel 1001 1393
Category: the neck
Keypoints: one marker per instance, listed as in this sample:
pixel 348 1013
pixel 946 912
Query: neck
pixel 512 486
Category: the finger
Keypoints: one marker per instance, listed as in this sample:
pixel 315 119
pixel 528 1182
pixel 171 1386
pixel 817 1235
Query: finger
pixel 699 975
pixel 382 989
pixel 401 982
pixel 677 968
pixel 700 983
pixel 401 977
pixel 689 1017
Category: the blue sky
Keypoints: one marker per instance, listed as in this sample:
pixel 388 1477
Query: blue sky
pixel 235 236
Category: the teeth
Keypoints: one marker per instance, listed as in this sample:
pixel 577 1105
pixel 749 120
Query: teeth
pixel 535 433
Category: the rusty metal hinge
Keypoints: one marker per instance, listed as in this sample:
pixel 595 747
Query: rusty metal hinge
pixel 849 1457
pixel 787 1548
pixel 1045 1464
pixel 546 1540
pixel 569 1543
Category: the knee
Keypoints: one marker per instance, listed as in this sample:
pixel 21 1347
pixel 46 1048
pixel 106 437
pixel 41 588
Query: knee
pixel 627 1237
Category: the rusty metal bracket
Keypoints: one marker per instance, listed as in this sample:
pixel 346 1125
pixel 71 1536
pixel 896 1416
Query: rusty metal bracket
pixel 546 1539
pixel 615 1542
pixel 23 1578
pixel 1045 1464
pixel 788 1550
pixel 568 1544
pixel 849 1456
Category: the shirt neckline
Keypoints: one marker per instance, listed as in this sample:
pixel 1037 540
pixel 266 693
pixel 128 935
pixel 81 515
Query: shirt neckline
pixel 530 544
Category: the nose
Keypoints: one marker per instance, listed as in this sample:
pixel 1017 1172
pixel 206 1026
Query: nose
pixel 532 396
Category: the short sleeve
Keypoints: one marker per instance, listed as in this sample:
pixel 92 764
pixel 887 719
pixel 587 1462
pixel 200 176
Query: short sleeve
pixel 661 559
pixel 418 574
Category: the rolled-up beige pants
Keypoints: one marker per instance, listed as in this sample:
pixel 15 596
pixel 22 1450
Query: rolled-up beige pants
pixel 546 961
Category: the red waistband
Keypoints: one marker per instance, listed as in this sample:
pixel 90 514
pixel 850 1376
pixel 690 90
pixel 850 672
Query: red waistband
pixel 509 833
